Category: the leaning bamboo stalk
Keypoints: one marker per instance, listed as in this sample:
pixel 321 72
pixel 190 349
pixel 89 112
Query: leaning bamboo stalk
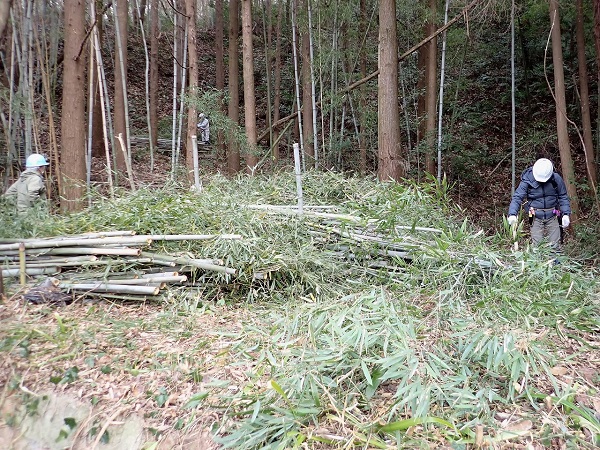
pixel 143 240
pixel 31 271
pixel 127 161
pixel 115 288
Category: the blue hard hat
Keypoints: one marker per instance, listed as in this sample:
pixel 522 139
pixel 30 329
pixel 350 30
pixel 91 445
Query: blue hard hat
pixel 36 160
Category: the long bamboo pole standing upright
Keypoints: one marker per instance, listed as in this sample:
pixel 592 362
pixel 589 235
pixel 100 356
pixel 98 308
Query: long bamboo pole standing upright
pixel 313 94
pixel 298 178
pixel 91 97
pixel 103 103
pixel 147 86
pixel 174 110
pixel 297 80
pixel 181 95
pixel 512 99
pixel 442 77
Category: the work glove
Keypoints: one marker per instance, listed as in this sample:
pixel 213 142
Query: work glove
pixel 566 221
pixel 513 219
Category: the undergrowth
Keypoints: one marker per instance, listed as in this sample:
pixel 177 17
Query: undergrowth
pixel 389 323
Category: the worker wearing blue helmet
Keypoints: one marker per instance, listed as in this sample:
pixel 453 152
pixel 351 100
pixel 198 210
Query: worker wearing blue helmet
pixel 29 189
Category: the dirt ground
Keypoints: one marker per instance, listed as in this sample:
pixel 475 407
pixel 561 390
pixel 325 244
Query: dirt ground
pixel 110 376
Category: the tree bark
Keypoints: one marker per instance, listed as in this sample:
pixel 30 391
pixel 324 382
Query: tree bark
pixel 120 121
pixel 192 68
pixel 430 89
pixel 389 167
pixel 233 154
pixel 362 144
pixel 73 108
pixel 97 131
pixel 220 72
pixel 561 110
pixel 277 82
pixel 248 73
pixel 585 100
pixel 154 30
pixel 307 111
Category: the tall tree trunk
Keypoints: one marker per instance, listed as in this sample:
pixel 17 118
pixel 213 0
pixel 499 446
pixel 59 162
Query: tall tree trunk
pixel 120 120
pixel 73 108
pixel 233 154
pixel 389 166
pixel 277 82
pixel 585 100
pixel 220 73
pixel 192 67
pixel 97 131
pixel 362 144
pixel 154 30
pixel 430 89
pixel 561 110
pixel 248 73
pixel 307 111
pixel 597 46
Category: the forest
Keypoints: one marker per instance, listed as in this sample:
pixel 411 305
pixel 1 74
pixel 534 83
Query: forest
pixel 334 267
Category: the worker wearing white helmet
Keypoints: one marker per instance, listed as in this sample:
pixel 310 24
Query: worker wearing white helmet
pixel 30 188
pixel 204 127
pixel 548 204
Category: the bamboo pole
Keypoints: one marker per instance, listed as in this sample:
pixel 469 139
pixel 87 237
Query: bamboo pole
pixel 298 178
pixel 197 183
pixel 30 271
pixel 71 261
pixel 51 243
pixel 114 288
pixel 22 263
pixel 159 274
pixel 127 158
pixel 198 263
pixel 125 251
pixel 147 281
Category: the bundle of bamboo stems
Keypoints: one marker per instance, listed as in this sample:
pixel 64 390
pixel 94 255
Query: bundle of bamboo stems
pixel 73 256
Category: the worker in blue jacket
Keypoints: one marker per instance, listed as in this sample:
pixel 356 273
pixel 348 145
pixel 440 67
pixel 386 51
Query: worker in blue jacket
pixel 547 204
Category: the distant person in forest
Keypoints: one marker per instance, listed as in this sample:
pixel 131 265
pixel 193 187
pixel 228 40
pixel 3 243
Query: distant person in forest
pixel 548 204
pixel 204 127
pixel 29 190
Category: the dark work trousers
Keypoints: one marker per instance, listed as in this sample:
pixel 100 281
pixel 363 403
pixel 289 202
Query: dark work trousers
pixel 547 229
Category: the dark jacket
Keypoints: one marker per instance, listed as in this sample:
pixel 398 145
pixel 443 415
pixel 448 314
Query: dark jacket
pixel 543 197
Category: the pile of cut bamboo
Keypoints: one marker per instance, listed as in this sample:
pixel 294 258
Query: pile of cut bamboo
pixel 74 257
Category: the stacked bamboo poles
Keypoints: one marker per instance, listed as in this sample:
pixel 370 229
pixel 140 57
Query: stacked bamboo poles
pixel 146 275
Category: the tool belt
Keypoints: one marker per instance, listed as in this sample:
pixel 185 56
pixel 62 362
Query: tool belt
pixel 532 211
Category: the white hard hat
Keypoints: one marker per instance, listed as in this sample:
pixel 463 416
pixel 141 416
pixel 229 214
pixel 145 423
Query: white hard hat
pixel 36 160
pixel 542 170
pixel 201 116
